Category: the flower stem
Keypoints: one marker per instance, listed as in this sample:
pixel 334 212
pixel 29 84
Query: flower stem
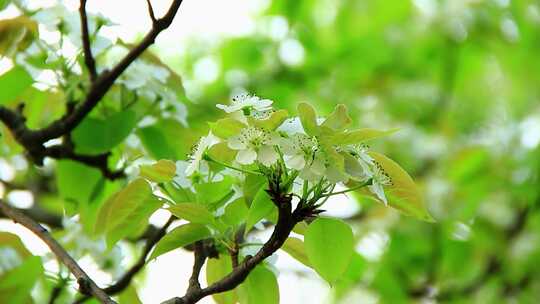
pixel 367 183
pixel 207 157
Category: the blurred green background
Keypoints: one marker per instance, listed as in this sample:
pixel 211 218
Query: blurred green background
pixel 462 81
pixel 460 78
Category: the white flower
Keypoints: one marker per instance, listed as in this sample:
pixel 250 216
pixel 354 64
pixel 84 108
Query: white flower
pixel 247 104
pixel 254 144
pixel 359 166
pixel 291 126
pixel 198 153
pixel 378 180
pixel 299 149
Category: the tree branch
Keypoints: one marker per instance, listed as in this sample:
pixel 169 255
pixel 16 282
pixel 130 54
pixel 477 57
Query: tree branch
pixel 124 281
pixel 33 140
pixel 86 285
pixel 286 221
pixel 88 58
pixel 39 215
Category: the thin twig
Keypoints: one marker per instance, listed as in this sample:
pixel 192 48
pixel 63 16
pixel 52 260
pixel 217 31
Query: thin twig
pixel 151 11
pixel 86 284
pixel 88 58
pixel 33 140
pixel 126 279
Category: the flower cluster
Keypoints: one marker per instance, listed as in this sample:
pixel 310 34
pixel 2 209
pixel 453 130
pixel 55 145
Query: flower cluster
pixel 316 150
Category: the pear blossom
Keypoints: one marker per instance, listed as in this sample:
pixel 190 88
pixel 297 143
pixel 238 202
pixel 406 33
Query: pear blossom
pixel 198 153
pixel 246 104
pixel 379 179
pixel 254 144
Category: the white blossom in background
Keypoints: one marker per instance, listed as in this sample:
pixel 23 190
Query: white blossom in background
pixel 198 153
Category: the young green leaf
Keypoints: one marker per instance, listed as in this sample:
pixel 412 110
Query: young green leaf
pixel 13 83
pixel 94 136
pixel 272 122
pixel 124 212
pixel 216 269
pixel 308 117
pixel 338 120
pixel 261 207
pixel 260 287
pixel 180 237
pixel 16 35
pixel 329 246
pixel 235 212
pixel 295 248
pixel 70 175
pixel 359 136
pixel 16 284
pixel 192 212
pixel 210 193
pixel 226 127
pixel 222 153
pixel 402 194
pixel 252 184
pixel 161 172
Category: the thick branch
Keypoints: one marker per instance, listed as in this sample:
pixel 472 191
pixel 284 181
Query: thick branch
pixel 86 285
pixel 88 58
pixel 126 279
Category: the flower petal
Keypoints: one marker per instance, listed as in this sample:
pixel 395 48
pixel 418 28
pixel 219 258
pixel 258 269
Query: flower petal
pixel 246 157
pixel 267 155
pixel 378 190
pixel 296 161
pixel 235 143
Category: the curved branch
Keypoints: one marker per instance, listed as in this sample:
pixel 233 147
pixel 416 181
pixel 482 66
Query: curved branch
pixel 86 284
pixel 286 221
pixel 126 279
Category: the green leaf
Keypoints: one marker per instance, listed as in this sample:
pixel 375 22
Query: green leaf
pixel 260 287
pixel 308 117
pixel 76 181
pixel 209 193
pixel 329 246
pixel 402 194
pixel 4 4
pixel 226 127
pixel 16 284
pixel 13 241
pixel 192 212
pixel 166 139
pixel 95 136
pixel 222 153
pixel 261 207
pixel 300 228
pixel 235 212
pixel 161 172
pixel 271 123
pixel 295 248
pixel 252 185
pixel 216 269
pixel 13 83
pixel 126 210
pixel 129 296
pixel 339 119
pixel 360 136
pixel 180 237
pixel 16 35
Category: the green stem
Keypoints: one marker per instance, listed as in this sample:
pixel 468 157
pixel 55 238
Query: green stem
pixel 207 157
pixel 367 183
